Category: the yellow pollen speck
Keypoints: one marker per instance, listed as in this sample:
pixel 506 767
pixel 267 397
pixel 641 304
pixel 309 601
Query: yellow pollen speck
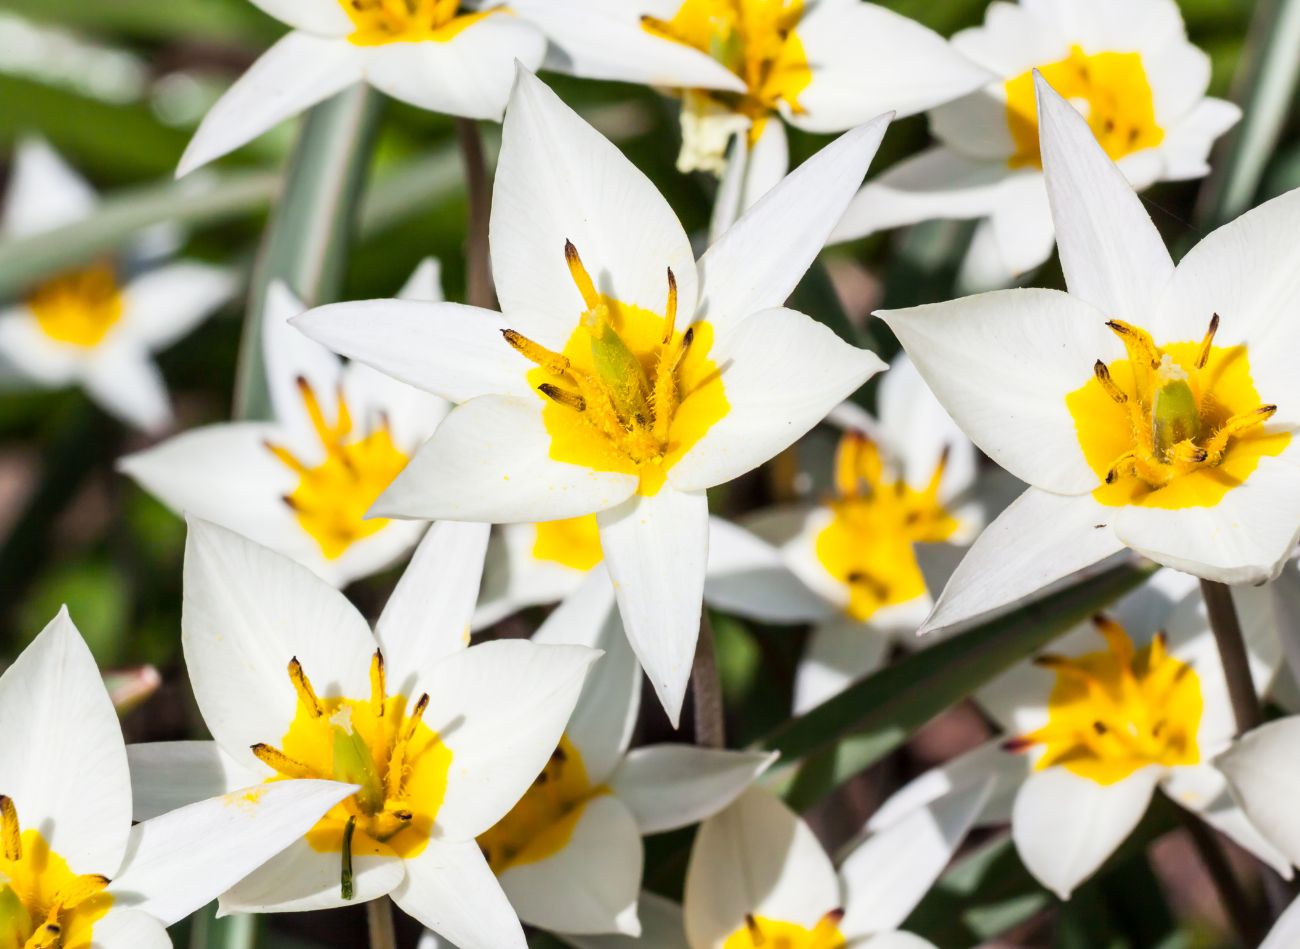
pixel 380 22
pixel 542 823
pixel 1172 427
pixel 333 495
pixel 78 308
pixel 759 932
pixel 1118 710
pixel 1112 88
pixel 877 519
pixel 573 543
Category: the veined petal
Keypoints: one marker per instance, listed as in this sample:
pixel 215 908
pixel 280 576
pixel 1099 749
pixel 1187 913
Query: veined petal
pixel 656 550
pixel 450 888
pixel 328 19
pixel 1111 252
pixel 782 372
pixel 868 60
pixel 887 876
pixel 757 263
pixel 299 71
pixel 246 613
pixel 167 775
pixel 127 384
pixel 1261 770
pixel 1040 539
pixel 748 577
pixel 672 786
pixel 130 929
pixel 752 171
pixel 165 304
pixel 302 879
pixel 662 926
pixel 62 759
pixel 840 651
pixel 988 763
pixel 756 857
pixel 428 615
pixel 1002 364
pixel 501 708
pixel 468 75
pixel 490 461
pixel 602 723
pixel 454 351
pixel 591 884
pixel 559 180
pixel 43 192
pixel 1203 789
pixel 180 861
pixel 1065 826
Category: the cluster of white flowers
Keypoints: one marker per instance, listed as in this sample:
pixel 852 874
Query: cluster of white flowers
pixel 490 786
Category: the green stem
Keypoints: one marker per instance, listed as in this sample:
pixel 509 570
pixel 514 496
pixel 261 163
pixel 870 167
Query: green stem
pixel 238 931
pixel 706 690
pixel 478 260
pixel 1233 654
pixel 379 917
pixel 1241 912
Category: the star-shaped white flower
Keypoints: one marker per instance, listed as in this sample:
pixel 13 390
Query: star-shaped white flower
pixel 302 483
pixel 1125 64
pixel 441 740
pixel 73 870
pixel 622 379
pixel 1117 708
pixel 1151 407
pixel 96 326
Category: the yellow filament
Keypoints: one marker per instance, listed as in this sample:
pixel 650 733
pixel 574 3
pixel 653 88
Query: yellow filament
pixel 380 22
pixel 760 932
pixel 10 831
pixel 302 685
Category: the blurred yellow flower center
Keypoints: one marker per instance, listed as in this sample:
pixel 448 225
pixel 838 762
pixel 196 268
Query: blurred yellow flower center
pixel 43 904
pixel 542 823
pixel 379 22
pixel 334 494
pixel 1111 89
pixel 401 765
pixel 78 308
pixel 762 933
pixel 877 519
pixel 629 393
pixel 1172 427
pixel 574 543
pixel 1118 710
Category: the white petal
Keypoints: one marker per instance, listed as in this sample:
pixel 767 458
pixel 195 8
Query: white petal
pixel 164 305
pixel 450 889
pixel 514 579
pixel 1013 38
pixel 490 461
pixel 918 432
pixel 1203 790
pixel 425 283
pixel 1186 148
pixel 748 577
pixel 1039 540
pixel 292 358
pixel 1002 364
pixel 167 775
pixel 558 180
pixel 1262 771
pixel 840 651
pixel 1286 931
pixel 656 550
pixel 728 197
pixel 976 125
pixel 867 59
pixel 501 708
pixel 468 75
pixel 62 760
pixel 1022 224
pixel 756 857
pixel 181 861
pixel 1065 826
pixel 782 372
pixel 672 786
pixel 246 613
pixel 454 351
pixel 427 617
pixel 662 927
pixel 127 384
pixel 293 75
pixel 44 192
pixel 303 879
pixel 887 876
pixel 27 354
pixel 1111 252
pixel 757 263
pixel 602 723
pixel 310 15
pixel 130 929
pixel 983 764
pixel 898 940
pixel 591 884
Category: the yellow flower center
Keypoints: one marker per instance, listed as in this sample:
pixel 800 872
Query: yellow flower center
pixel 629 393
pixel 761 933
pixel 401 765
pixel 78 308
pixel 756 40
pixel 333 496
pixel 43 904
pixel 1118 710
pixel 1112 89
pixel 379 22
pixel 541 824
pixel 878 518
pixel 573 543
pixel 1172 427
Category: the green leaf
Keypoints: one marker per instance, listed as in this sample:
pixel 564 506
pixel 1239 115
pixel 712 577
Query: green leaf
pixel 209 931
pixel 209 21
pixel 871 718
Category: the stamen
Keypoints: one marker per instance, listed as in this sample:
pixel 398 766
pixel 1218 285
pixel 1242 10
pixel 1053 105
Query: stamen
pixel 563 397
pixel 932 488
pixel 302 685
pixel 670 312
pixel 278 761
pixel 755 931
pixel 10 832
pixel 826 933
pixel 1103 376
pixel 314 411
pixel 82 889
pixel 1208 343
pixel 878 589
pixel 581 278
pixel 378 684
pixel 397 761
pixel 286 458
pixel 1116 637
pixel 345 887
pixel 1141 347
pixel 49 936
pixel 1217 443
pixel 848 464
pixel 553 363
